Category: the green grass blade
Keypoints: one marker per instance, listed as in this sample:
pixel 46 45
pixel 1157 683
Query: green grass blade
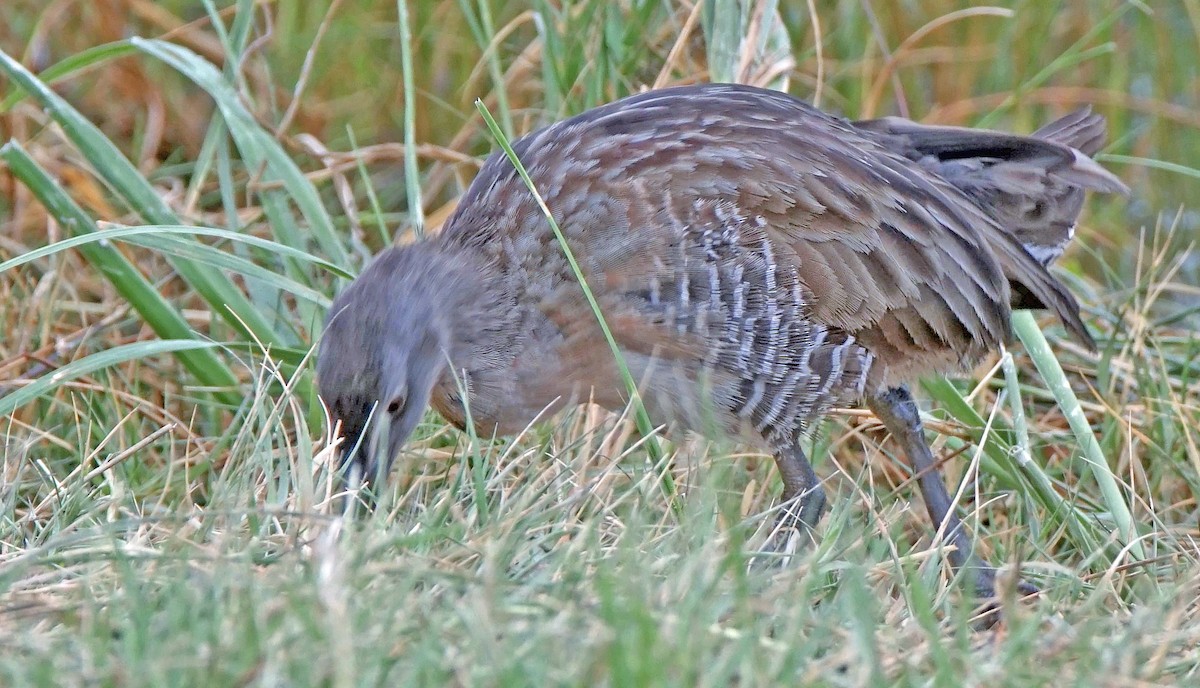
pixel 108 160
pixel 1151 163
pixel 1051 371
pixel 71 66
pixel 112 166
pixel 1000 458
pixel 723 35
pixel 495 68
pixel 385 237
pixel 996 449
pixel 131 233
pixel 412 183
pixel 1081 529
pixel 170 245
pixel 162 317
pixel 257 146
pixel 1071 56
pixel 98 361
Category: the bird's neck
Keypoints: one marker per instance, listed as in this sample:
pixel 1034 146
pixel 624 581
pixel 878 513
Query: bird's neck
pixel 476 305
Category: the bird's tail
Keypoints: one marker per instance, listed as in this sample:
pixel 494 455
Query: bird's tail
pixel 1033 186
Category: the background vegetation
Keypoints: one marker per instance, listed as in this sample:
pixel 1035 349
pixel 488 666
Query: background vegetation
pixel 176 210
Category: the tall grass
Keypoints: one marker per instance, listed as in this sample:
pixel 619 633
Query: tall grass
pixel 175 221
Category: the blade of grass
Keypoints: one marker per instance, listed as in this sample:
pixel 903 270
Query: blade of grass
pixel 554 82
pixel 412 184
pixel 485 34
pixel 1069 57
pixel 169 245
pixel 130 234
pixel 644 426
pixel 116 170
pixel 999 455
pixel 1059 508
pixel 73 65
pixel 1051 371
pixel 162 317
pixel 996 449
pixel 360 165
pixel 722 24
pixel 98 361
pixel 1151 163
pixel 263 155
pixel 258 147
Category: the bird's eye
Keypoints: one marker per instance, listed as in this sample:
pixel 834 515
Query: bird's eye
pixel 396 405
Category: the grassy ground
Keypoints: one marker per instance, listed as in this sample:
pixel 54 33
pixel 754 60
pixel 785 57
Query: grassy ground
pixel 166 511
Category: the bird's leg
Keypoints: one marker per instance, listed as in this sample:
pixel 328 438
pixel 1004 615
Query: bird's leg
pixel 898 412
pixel 803 497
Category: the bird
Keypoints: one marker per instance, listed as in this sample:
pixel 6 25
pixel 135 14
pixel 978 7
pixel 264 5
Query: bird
pixel 757 260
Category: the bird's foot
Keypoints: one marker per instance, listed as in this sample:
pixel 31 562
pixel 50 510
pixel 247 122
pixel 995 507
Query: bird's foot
pixel 793 530
pixel 991 589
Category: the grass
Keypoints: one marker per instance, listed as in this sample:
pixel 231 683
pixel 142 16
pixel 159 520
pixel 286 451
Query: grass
pixel 178 208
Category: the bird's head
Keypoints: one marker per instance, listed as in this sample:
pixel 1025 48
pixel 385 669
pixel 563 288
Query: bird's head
pixel 384 347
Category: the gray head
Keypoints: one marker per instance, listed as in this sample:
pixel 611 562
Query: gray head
pixel 385 346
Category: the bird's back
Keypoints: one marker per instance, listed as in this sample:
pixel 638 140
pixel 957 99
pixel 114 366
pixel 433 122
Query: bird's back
pixel 746 244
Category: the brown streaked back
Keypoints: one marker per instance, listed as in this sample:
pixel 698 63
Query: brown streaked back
pixel 886 249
